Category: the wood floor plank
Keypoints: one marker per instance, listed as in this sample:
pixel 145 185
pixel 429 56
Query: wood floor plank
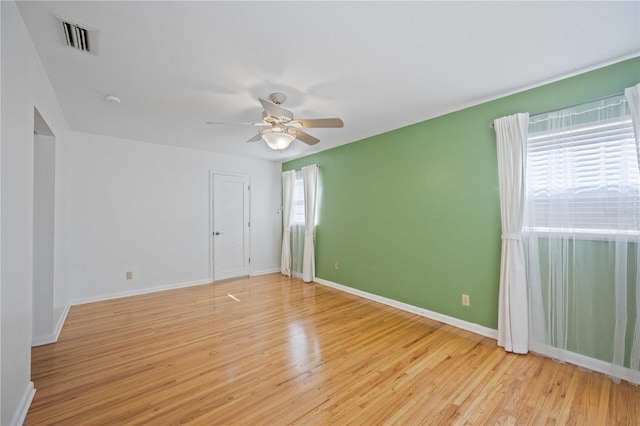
pixel 281 351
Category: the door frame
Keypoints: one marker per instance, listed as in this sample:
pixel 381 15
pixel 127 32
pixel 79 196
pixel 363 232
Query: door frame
pixel 212 173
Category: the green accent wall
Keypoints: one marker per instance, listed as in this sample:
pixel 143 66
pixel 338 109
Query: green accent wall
pixel 413 214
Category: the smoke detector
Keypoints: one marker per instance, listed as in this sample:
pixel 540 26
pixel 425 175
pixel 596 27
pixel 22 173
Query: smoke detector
pixel 112 99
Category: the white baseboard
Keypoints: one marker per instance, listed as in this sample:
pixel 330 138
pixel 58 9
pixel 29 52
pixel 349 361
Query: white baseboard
pixel 607 368
pixel 137 292
pixel 43 340
pixel 52 337
pixel 465 325
pixel 61 322
pixel 23 406
pixel 265 272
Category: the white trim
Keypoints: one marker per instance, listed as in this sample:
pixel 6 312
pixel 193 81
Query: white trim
pixel 52 337
pixel 582 233
pixel 607 368
pixel 542 83
pixel 110 296
pixel 212 173
pixel 265 272
pixel 497 96
pixel 43 340
pixel 23 406
pixel 465 325
pixel 61 322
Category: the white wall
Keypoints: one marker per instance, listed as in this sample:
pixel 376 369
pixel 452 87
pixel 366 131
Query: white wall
pixel 43 235
pixel 24 86
pixel 120 205
pixel 141 207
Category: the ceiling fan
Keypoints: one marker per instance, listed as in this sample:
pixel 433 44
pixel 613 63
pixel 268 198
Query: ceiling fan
pixel 281 128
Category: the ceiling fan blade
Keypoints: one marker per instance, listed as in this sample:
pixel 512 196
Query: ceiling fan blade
pixel 319 122
pixel 271 109
pixel 235 123
pixel 256 138
pixel 304 137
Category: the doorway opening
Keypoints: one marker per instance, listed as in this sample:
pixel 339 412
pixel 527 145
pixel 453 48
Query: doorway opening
pixel 44 152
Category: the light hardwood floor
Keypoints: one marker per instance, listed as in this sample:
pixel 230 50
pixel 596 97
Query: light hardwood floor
pixel 290 352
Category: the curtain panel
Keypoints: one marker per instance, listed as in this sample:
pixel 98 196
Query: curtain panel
pixel 310 178
pixel 513 320
pixel 288 180
pixel 297 249
pixel 582 231
pixel 632 94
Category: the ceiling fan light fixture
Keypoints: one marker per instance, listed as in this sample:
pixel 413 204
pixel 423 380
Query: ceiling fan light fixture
pixel 277 140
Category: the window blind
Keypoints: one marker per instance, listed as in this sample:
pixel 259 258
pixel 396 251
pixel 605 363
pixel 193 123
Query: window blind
pixel 584 177
pixel 297 205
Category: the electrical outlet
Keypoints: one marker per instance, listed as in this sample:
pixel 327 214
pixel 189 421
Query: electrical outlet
pixel 465 300
pixel 129 275
pixel 336 266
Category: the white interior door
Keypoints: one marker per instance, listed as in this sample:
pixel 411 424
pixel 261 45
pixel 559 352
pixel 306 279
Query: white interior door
pixel 230 226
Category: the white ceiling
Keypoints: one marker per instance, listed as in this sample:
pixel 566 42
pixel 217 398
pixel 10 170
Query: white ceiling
pixel 377 65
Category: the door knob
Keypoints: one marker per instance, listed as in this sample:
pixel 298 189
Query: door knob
pixel 217 233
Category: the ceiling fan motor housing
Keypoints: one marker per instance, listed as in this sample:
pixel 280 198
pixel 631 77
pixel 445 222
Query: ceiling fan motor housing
pixel 278 98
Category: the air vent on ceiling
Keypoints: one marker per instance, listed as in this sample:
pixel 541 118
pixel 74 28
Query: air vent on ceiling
pixel 79 37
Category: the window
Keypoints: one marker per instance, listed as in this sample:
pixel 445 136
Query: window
pixel 582 171
pixel 297 205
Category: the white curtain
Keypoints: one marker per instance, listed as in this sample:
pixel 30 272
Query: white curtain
pixel 288 180
pixel 513 325
pixel 582 232
pixel 632 94
pixel 297 226
pixel 310 178
pixel 297 249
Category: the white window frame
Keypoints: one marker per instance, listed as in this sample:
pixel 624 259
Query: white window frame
pixel 584 233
